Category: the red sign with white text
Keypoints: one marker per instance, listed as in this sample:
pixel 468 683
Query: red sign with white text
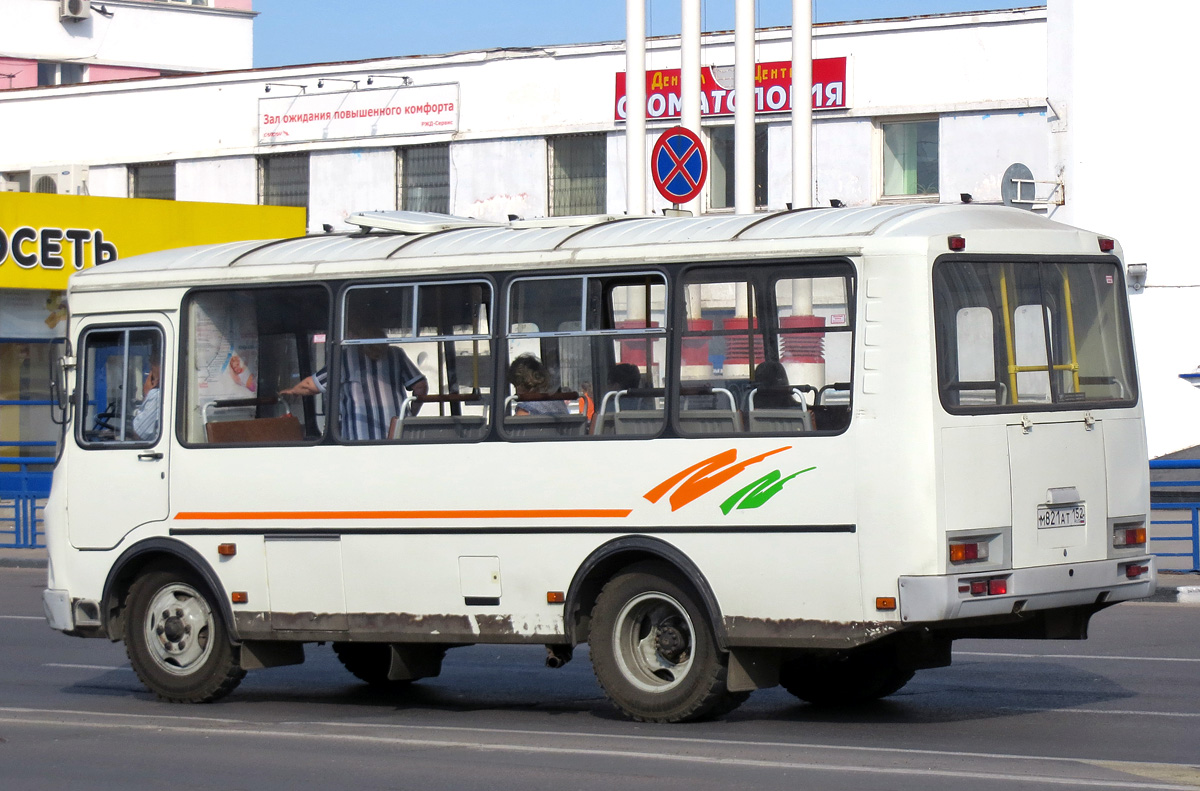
pixel 772 88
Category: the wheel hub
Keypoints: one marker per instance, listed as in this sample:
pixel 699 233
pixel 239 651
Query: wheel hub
pixel 670 642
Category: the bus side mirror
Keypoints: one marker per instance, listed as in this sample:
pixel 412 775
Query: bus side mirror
pixel 62 383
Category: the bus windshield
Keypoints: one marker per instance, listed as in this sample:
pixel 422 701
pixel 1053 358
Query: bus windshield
pixel 1030 335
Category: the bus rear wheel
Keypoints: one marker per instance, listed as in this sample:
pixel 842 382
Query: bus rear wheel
pixel 653 650
pixel 176 641
pixel 368 662
pixel 845 679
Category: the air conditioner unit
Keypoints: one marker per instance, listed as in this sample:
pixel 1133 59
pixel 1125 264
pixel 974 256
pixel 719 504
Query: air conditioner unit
pixel 9 186
pixel 74 9
pixel 61 180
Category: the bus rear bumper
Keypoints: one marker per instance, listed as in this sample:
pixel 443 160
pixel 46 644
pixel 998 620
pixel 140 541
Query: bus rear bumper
pixel 953 596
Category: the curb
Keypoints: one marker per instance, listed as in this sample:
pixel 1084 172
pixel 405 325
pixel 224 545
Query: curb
pixel 23 563
pixel 1188 594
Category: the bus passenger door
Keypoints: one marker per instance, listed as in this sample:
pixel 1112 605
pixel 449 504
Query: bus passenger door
pixel 118 469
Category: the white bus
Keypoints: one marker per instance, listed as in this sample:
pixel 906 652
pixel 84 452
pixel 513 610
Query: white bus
pixel 810 448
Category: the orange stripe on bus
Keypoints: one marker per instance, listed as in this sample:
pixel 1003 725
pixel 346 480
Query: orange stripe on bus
pixel 565 513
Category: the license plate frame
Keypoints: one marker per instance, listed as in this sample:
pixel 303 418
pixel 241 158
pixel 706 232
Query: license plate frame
pixel 1052 516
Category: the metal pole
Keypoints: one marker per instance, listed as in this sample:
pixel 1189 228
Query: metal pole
pixel 635 106
pixel 743 111
pixel 801 104
pixel 689 78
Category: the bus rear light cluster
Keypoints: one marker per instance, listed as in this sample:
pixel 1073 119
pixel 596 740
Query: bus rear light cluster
pixel 969 552
pixel 997 586
pixel 1129 536
pixel 1135 570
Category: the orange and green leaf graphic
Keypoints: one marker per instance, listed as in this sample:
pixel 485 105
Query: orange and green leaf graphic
pixel 702 477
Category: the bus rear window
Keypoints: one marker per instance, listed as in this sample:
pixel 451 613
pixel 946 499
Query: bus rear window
pixel 1032 335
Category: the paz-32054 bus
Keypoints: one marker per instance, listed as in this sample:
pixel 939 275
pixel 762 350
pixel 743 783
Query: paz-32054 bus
pixel 810 448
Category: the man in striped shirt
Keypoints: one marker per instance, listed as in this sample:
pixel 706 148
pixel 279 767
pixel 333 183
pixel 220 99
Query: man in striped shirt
pixel 375 380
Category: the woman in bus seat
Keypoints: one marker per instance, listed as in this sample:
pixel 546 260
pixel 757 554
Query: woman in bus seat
pixel 529 379
pixel 376 378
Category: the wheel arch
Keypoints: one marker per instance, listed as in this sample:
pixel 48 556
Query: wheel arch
pixel 609 558
pixel 149 553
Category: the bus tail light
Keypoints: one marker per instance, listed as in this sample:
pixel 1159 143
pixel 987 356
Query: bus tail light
pixel 1129 536
pixel 1135 570
pixel 968 552
pixel 994 586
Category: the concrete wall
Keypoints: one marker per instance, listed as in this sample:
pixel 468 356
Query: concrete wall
pixel 172 36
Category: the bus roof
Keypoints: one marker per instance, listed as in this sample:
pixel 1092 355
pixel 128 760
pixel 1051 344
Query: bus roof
pixel 557 241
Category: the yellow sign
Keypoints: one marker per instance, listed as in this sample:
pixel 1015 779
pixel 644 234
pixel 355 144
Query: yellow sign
pixel 45 238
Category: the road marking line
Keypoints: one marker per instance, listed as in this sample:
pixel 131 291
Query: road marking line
pixel 1109 712
pixel 87 667
pixel 22 617
pixel 576 751
pixel 1077 656
pixel 114 714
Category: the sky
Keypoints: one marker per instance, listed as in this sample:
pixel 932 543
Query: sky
pixel 288 32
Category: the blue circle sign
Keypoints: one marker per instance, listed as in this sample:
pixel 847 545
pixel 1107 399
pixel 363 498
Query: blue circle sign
pixel 679 164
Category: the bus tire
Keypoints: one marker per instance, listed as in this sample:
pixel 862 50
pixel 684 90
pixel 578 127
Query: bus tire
pixel 176 640
pixel 846 679
pixel 653 650
pixel 368 662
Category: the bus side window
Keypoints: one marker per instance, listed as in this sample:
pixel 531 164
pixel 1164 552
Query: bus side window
pixel 585 357
pixel 121 399
pixel 243 348
pixel 416 362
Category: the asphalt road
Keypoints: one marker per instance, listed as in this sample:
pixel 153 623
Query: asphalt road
pixel 1120 711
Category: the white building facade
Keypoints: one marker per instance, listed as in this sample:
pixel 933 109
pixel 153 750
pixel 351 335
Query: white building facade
pixel 928 109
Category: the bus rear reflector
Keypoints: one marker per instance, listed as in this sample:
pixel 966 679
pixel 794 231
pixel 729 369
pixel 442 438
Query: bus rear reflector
pixel 1135 570
pixel 967 553
pixel 555 597
pixel 997 587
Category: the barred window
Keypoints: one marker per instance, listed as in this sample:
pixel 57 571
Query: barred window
pixel 283 180
pixel 152 180
pixel 424 178
pixel 578 175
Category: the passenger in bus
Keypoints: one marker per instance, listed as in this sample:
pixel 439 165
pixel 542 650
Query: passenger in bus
pixel 627 376
pixel 530 379
pixel 376 378
pixel 773 390
pixel 146 415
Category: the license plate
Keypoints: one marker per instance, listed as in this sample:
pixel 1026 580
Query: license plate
pixel 1062 516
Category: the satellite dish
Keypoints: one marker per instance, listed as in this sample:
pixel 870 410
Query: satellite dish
pixel 1017 185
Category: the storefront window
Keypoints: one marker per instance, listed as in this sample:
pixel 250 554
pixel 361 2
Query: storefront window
pixel 910 158
pixel 425 178
pixel 721 190
pixel 578 175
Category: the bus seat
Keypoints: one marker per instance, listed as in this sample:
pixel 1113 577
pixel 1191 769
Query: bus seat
pixel 438 427
pixel 545 425
pixel 783 421
pixel 636 422
pixel 261 431
pixel 709 421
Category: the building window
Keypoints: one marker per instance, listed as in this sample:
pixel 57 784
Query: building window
pixel 152 180
pixel 721 194
pixel 61 73
pixel 283 180
pixel 910 158
pixel 424 178
pixel 578 174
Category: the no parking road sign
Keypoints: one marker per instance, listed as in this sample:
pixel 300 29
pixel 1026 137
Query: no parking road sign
pixel 679 164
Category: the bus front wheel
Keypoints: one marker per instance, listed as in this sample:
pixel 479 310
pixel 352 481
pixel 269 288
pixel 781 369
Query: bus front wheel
pixel 653 650
pixel 176 640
